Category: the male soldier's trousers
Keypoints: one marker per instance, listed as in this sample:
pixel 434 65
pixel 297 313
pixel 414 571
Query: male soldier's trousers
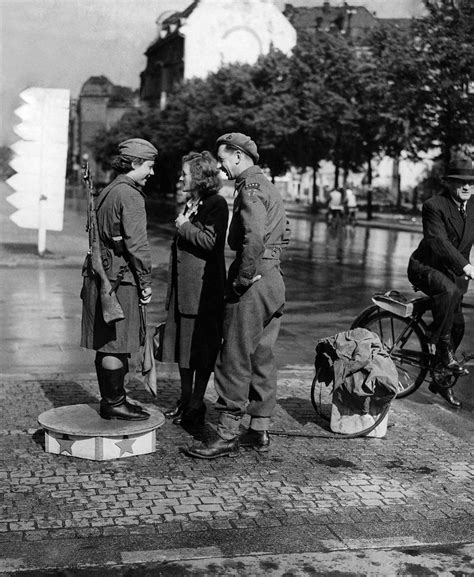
pixel 245 371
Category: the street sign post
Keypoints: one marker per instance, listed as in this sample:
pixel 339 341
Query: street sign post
pixel 40 161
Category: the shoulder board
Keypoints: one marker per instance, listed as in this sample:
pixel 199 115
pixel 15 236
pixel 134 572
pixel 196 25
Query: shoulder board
pixel 252 186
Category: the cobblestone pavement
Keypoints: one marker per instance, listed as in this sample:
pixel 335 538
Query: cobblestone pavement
pixel 316 504
pixel 313 491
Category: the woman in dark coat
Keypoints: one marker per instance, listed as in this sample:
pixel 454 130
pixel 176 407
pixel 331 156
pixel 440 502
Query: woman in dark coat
pixel 196 283
pixel 121 223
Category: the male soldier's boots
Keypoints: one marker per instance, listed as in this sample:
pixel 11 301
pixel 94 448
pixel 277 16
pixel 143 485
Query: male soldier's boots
pixel 224 443
pixel 258 440
pixel 113 403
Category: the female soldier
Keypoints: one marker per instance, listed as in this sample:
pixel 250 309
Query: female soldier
pixel 196 282
pixel 121 223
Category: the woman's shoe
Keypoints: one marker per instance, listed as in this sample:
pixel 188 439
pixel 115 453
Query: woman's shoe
pixel 177 412
pixel 194 417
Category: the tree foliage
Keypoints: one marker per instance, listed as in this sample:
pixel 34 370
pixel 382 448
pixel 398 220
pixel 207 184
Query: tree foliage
pixel 411 91
pixel 444 43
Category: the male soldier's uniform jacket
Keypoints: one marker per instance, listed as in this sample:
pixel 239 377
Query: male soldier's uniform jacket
pixel 258 231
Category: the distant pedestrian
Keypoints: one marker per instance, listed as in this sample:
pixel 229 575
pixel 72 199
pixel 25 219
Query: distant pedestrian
pixel 335 205
pixel 245 372
pixel 196 285
pixel 350 205
pixel 121 220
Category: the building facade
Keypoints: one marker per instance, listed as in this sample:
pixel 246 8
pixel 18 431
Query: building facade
pixel 100 105
pixel 208 35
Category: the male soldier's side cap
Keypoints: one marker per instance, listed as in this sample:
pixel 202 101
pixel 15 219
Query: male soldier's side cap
pixel 241 142
pixel 461 170
pixel 138 148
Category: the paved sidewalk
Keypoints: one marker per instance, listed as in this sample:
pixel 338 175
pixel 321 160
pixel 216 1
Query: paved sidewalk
pixel 313 492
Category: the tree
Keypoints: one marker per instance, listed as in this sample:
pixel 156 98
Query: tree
pixel 255 100
pixel 444 44
pixel 320 82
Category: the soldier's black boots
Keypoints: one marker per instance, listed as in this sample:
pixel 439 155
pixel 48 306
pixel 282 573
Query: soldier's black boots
pixel 216 448
pixel 258 440
pixel 447 394
pixel 125 411
pixel 114 404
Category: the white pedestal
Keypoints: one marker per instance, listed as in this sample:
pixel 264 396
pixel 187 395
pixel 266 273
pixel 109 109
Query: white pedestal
pixel 79 431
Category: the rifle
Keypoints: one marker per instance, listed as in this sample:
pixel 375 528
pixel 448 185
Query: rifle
pixel 111 309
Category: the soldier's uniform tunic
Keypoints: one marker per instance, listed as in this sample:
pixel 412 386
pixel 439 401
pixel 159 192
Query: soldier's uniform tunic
pixel 245 372
pixel 120 215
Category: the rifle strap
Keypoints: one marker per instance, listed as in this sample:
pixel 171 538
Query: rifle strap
pixel 120 276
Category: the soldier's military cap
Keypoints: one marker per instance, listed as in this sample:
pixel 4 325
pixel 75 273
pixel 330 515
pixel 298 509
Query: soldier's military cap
pixel 139 148
pixel 241 142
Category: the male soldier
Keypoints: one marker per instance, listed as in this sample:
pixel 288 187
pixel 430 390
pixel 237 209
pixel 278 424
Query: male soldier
pixel 440 265
pixel 245 371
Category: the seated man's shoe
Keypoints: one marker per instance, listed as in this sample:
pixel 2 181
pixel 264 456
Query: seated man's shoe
pixel 125 411
pixel 447 394
pixel 446 356
pixel 258 440
pixel 216 448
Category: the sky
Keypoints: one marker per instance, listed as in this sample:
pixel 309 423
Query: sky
pixel 61 43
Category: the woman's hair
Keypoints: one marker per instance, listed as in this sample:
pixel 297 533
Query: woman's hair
pixel 122 163
pixel 204 172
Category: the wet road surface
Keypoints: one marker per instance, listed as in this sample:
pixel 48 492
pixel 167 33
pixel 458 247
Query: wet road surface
pixel 330 276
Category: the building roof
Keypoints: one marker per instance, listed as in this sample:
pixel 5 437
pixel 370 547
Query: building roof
pixel 355 21
pixel 97 86
pixel 101 86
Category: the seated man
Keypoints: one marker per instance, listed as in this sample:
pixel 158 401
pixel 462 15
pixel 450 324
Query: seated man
pixel 440 265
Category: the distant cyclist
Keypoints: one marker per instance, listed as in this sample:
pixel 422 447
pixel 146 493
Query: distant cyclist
pixel 440 265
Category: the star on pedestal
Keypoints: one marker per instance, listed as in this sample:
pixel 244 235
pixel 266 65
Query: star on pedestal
pixel 65 444
pixel 125 446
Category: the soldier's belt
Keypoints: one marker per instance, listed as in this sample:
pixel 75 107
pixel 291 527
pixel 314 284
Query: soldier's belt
pixel 272 252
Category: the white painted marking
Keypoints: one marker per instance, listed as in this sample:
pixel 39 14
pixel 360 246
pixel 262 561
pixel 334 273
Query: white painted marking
pixel 170 554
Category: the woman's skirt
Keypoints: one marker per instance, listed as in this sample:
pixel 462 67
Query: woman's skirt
pixel 191 341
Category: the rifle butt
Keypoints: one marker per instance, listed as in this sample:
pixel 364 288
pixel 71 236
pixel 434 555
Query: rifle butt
pixel 111 308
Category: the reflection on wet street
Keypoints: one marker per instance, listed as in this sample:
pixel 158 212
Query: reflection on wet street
pixel 331 274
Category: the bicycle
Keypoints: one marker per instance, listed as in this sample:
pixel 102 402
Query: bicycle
pixel 399 323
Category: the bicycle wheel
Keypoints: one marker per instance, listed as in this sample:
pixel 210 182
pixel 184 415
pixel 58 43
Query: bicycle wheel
pixel 405 341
